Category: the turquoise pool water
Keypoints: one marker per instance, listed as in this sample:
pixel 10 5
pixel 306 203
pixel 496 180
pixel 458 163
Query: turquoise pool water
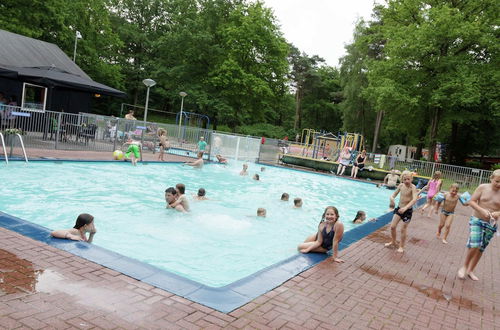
pixel 218 242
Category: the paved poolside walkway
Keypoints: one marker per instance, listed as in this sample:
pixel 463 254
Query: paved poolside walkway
pixel 42 287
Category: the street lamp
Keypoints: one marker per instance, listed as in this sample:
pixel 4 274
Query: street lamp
pixel 149 83
pixel 78 35
pixel 183 95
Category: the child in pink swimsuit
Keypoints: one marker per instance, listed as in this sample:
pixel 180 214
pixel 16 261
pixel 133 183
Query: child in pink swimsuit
pixel 432 187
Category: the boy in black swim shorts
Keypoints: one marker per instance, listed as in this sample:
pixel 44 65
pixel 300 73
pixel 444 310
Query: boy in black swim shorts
pixel 404 210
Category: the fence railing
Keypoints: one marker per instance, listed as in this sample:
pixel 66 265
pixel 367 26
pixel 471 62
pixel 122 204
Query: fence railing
pixel 83 131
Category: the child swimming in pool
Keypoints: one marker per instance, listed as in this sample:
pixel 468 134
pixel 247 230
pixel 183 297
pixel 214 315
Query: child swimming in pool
pixel 201 195
pixel 360 217
pixel 328 237
pixel 485 202
pixel 297 203
pixel 261 212
pixel 244 170
pixel 84 224
pixel 448 212
pixel 285 197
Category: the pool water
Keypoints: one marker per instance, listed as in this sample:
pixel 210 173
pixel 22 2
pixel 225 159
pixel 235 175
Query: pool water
pixel 220 241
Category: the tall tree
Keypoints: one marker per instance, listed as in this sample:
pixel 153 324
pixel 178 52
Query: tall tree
pixel 437 60
pixel 302 69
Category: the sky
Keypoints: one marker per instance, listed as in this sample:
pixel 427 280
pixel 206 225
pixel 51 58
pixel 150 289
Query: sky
pixel 320 27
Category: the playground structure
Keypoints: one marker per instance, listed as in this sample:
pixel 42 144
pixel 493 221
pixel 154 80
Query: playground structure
pixel 325 145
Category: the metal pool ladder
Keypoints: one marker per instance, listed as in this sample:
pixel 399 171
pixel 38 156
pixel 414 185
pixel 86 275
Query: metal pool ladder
pixel 5 149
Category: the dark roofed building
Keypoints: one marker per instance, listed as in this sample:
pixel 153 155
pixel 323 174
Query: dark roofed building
pixel 42 76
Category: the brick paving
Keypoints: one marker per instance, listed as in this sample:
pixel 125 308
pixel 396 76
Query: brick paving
pixel 42 287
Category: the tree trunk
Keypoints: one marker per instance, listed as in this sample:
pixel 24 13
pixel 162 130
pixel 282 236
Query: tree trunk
pixel 298 109
pixel 378 123
pixel 433 134
pixel 451 152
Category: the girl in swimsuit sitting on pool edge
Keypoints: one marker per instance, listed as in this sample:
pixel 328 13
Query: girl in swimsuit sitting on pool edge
pixel 84 224
pixel 328 237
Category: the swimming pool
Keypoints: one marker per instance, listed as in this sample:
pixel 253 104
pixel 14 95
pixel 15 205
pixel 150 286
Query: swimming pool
pixel 218 243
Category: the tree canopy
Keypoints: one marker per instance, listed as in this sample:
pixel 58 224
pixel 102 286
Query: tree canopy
pixel 418 72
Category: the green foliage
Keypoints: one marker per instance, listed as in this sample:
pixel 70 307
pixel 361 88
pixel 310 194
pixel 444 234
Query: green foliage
pixel 495 167
pixel 268 130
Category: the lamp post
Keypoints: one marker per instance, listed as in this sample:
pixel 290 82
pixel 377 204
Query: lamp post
pixel 183 95
pixel 78 35
pixel 149 83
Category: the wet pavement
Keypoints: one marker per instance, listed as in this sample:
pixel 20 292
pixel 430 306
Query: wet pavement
pixel 42 287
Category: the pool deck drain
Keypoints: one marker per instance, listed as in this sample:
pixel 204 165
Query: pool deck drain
pixel 44 287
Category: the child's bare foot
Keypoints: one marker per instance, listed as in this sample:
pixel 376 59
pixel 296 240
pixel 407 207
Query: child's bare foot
pixel 473 277
pixel 400 250
pixel 389 244
pixel 438 235
pixel 461 273
pixel 445 241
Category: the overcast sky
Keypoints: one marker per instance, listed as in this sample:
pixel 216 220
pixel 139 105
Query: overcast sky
pixel 320 27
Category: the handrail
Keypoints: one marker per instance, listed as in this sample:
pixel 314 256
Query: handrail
pixel 4 149
pixel 22 146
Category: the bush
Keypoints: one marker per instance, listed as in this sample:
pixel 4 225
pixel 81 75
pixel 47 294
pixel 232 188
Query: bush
pixel 495 167
pixel 473 163
pixel 267 130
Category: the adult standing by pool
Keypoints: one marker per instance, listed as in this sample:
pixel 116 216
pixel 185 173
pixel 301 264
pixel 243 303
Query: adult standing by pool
pixel 129 124
pixel 202 145
pixel 330 233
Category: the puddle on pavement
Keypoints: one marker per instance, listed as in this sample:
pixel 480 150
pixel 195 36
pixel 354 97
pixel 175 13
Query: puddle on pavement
pixel 19 275
pixel 379 236
pixel 16 274
pixel 430 292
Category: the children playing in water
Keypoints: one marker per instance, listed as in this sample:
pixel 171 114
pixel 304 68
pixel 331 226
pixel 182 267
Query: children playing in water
pixel 360 217
pixel 285 197
pixel 198 163
pixel 134 147
pixel 404 211
pixel 221 159
pixel 171 197
pixel 328 237
pixel 181 198
pixel 297 203
pixel 485 202
pixel 447 212
pixel 84 224
pixel 163 143
pixel 244 171
pixel 432 188
pixel 200 195
pixel 261 212
pixel 256 177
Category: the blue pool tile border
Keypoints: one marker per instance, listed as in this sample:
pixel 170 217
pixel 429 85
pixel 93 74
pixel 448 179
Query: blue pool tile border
pixel 224 299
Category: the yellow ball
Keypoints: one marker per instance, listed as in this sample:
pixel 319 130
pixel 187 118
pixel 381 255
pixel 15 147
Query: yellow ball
pixel 118 155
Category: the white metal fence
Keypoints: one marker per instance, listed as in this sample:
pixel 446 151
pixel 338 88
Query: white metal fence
pixel 68 131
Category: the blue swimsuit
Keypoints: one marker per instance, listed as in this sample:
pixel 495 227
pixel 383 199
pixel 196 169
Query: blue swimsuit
pixel 327 238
